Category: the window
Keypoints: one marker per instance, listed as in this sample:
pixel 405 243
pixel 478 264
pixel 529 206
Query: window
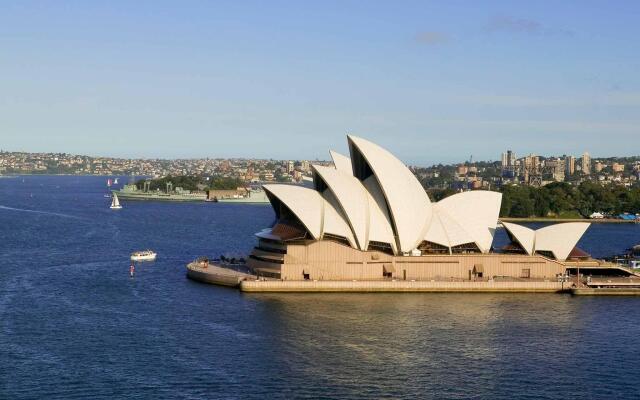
pixel 465 248
pixel 545 253
pixel 380 246
pixel 336 238
pixel 427 247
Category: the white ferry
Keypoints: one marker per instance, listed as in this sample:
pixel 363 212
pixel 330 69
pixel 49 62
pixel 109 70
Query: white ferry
pixel 145 255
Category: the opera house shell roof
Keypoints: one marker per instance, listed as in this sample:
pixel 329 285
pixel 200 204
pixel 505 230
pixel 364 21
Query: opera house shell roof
pixel 554 241
pixel 372 201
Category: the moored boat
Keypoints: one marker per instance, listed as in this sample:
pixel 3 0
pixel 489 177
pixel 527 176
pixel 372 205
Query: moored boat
pixel 145 255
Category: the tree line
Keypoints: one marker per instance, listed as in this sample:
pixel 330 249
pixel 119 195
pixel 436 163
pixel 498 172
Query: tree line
pixel 562 200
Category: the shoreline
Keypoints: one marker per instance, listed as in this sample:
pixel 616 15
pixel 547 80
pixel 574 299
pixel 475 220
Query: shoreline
pixel 247 282
pixel 545 219
pixel 505 219
pixel 395 286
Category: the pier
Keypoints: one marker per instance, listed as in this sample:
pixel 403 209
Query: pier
pixel 205 272
pixel 621 286
pixel 241 277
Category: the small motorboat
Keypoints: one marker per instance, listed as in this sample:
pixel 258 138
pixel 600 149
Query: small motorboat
pixel 145 255
pixel 115 203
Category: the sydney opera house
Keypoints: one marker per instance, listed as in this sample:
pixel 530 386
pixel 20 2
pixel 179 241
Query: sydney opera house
pixel 367 217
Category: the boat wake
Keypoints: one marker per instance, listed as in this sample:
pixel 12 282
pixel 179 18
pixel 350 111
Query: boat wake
pixel 39 212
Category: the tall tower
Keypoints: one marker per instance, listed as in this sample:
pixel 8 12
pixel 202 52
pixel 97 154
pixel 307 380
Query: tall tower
pixel 570 165
pixel 586 163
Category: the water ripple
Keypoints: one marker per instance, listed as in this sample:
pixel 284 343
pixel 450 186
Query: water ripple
pixel 74 325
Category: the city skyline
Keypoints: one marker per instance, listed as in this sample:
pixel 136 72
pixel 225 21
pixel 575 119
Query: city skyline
pixel 500 158
pixel 433 82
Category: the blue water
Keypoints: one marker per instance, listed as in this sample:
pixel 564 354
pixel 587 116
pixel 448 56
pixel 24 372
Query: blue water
pixel 73 324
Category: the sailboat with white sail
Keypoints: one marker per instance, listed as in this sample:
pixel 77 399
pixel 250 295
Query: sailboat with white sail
pixel 115 203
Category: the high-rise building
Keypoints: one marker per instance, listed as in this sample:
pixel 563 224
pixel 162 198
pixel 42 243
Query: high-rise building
pixel 586 163
pixel 532 163
pixel 555 167
pixel 508 159
pixel 290 167
pixel 304 166
pixel 570 165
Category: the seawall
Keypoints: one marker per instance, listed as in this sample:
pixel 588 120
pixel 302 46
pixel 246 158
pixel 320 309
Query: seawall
pixel 558 220
pixel 613 291
pixel 401 286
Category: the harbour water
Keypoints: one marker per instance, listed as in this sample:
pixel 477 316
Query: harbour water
pixel 73 324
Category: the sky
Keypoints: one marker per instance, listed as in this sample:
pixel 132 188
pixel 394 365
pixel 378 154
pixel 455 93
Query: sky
pixel 431 81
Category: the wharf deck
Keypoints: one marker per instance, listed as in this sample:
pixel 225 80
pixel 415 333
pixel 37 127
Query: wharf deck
pixel 606 291
pixel 247 282
pixel 216 274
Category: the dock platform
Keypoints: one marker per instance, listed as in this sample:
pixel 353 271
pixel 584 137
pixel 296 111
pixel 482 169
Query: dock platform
pixel 239 276
pixel 628 286
pixel 218 274
pixel 616 291
pixel 247 282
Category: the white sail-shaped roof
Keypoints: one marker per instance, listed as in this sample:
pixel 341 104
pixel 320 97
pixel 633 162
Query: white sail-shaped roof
pixel 456 232
pixel 408 203
pixel 334 221
pixel 351 198
pixel 437 232
pixel 305 203
pixel 379 221
pixel 374 197
pixel 341 162
pixel 477 212
pixel 523 235
pixel 560 239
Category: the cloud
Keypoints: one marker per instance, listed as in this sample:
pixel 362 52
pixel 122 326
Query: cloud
pixel 510 24
pixel 431 38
